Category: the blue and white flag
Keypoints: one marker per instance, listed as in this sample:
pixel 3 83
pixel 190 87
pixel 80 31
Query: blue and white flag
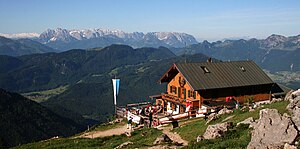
pixel 116 85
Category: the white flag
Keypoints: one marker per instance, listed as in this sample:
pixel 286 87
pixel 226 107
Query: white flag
pixel 116 85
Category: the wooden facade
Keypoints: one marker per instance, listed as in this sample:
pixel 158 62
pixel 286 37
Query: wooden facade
pixel 181 91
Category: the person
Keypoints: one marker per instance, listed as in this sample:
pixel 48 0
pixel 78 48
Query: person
pixel 205 116
pixel 150 119
pixel 129 122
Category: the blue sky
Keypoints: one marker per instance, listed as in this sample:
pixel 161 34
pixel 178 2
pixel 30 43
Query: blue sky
pixel 211 19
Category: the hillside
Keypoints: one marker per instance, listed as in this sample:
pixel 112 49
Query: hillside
pixel 24 121
pixel 88 74
pixel 22 47
pixel 189 129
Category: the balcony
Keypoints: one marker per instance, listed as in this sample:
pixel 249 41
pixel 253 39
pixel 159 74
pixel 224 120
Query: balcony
pixel 173 98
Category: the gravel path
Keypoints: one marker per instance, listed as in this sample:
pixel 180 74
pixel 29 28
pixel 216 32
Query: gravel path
pixel 110 132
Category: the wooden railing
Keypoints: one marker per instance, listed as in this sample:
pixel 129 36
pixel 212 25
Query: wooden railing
pixel 120 112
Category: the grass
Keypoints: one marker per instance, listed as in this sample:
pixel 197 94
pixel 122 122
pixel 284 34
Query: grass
pixel 189 130
pixel 236 137
pixel 140 138
pixel 41 96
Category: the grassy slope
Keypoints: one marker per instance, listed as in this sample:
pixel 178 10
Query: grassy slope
pixel 141 138
pixel 237 137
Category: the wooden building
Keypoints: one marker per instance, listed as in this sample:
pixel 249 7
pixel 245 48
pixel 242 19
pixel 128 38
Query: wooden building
pixel 212 84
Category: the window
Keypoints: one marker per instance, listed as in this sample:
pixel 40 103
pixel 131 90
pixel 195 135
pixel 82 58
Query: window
pixel 173 89
pixel 184 93
pixel 242 68
pixel 205 69
pixel 194 95
pixel 189 93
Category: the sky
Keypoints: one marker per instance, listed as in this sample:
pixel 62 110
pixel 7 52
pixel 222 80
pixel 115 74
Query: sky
pixel 205 20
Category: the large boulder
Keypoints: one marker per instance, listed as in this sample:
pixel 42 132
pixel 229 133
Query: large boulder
pixel 272 130
pixel 218 130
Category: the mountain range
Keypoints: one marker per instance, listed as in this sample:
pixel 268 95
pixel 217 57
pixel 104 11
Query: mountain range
pixel 22 47
pixel 63 39
pixel 275 53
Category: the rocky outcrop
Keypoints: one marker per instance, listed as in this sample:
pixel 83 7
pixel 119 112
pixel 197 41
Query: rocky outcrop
pixel 294 107
pixel 162 139
pixel 218 130
pixel 294 103
pixel 272 130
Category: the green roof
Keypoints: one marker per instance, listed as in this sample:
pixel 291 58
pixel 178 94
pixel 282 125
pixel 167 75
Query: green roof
pixel 213 75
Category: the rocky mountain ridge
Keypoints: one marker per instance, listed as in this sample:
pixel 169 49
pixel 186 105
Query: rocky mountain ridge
pixel 275 53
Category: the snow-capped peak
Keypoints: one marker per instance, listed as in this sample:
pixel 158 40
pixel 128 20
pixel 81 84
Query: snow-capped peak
pixel 21 35
pixel 168 38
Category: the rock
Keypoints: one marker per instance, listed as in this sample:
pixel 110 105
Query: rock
pixel 214 131
pixel 200 138
pixel 228 118
pixel 251 110
pixel 296 117
pixel 272 130
pixel 276 100
pixel 128 134
pixel 249 121
pixel 224 111
pixel 288 96
pixel 296 93
pixel 245 108
pixel 212 117
pixel 288 146
pixel 293 104
pixel 162 139
pixel 123 145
